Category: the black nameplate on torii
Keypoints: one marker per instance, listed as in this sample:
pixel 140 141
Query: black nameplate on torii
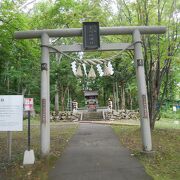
pixel 91 37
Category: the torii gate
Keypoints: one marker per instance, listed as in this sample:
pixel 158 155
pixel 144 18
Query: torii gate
pixel 46 48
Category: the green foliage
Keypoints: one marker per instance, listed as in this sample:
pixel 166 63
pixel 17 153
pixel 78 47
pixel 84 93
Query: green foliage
pixel 168 113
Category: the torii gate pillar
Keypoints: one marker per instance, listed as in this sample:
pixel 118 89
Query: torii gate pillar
pixel 45 97
pixel 142 92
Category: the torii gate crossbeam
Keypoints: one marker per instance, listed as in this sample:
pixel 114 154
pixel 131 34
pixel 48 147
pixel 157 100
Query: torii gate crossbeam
pixel 71 32
pixel 135 31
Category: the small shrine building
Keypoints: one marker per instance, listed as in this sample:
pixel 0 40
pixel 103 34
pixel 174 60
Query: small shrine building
pixel 91 100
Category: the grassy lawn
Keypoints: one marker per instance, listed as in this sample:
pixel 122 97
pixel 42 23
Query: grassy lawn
pixel 34 120
pixel 167 123
pixel 60 135
pixel 164 164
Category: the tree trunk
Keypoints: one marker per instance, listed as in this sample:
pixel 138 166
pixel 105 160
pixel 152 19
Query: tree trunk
pixel 154 97
pixel 123 99
pixel 130 100
pixel 62 103
pixel 114 94
pixel 117 96
pixel 103 100
pixel 63 94
pixel 56 107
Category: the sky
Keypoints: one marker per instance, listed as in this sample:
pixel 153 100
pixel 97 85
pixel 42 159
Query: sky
pixel 30 3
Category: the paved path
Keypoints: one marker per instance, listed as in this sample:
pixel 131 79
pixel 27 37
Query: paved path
pixel 94 153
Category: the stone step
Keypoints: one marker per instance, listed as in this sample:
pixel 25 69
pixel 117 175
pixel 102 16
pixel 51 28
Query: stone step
pixel 92 116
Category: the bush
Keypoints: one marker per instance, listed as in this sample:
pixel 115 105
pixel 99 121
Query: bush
pixel 170 114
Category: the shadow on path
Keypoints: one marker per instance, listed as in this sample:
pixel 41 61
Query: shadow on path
pixel 94 153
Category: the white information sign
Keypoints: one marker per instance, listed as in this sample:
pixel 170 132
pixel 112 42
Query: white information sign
pixel 174 108
pixel 28 104
pixel 11 112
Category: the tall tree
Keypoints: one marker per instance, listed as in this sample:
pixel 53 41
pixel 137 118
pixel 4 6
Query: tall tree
pixel 159 51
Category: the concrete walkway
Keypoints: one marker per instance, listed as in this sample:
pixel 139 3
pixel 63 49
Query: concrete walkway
pixel 94 153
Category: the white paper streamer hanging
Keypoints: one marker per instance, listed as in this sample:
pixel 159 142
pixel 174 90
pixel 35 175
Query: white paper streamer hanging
pixel 110 68
pixel 84 68
pixel 74 68
pixel 92 73
pixel 81 54
pixel 99 69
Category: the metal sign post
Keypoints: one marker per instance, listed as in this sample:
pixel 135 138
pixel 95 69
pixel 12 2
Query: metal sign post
pixel 29 130
pixel 9 144
pixel 29 157
pixel 136 31
pixel 28 107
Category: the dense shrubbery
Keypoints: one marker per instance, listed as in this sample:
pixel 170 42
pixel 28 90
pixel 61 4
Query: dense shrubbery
pixel 170 114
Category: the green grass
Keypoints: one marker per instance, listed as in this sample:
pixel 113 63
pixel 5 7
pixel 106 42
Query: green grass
pixel 166 123
pixel 34 120
pixel 165 162
pixel 60 135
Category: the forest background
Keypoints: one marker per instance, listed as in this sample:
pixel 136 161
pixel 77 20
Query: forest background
pixel 20 60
